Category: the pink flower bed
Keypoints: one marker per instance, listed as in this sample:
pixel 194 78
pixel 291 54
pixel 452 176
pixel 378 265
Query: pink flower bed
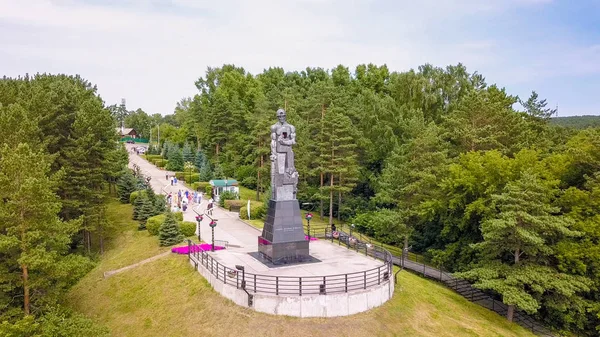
pixel 312 238
pixel 195 248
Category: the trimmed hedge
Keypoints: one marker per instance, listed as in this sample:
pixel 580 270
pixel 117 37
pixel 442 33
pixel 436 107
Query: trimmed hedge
pixel 208 191
pixel 234 204
pixel 200 185
pixel 152 157
pixel 161 162
pixel 187 228
pixel 178 216
pixel 257 210
pixel 153 223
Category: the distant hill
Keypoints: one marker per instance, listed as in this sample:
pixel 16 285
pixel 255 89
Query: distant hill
pixel 577 122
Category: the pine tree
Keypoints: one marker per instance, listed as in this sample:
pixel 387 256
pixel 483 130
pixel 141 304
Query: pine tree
pixel 169 233
pixel 126 184
pixel 147 210
pixel 188 154
pixel 199 161
pixel 175 160
pixel 137 205
pixel 338 158
pixel 34 245
pixel 525 229
pixel 206 173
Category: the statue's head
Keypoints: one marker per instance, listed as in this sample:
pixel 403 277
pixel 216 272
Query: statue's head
pixel 281 115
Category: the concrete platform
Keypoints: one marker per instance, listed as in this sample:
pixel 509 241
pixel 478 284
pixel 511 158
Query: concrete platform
pixel 332 260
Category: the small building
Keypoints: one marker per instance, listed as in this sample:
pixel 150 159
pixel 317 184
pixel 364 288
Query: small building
pixel 127 132
pixel 220 186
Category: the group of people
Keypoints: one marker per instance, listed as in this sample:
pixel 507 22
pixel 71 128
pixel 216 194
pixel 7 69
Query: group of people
pixel 174 180
pixel 182 200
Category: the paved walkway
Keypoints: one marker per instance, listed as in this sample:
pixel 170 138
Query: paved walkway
pixel 243 238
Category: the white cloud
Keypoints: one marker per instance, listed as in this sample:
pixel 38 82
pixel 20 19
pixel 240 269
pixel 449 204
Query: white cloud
pixel 152 55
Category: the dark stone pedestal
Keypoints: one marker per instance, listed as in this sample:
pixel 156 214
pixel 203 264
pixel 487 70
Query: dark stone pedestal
pixel 283 240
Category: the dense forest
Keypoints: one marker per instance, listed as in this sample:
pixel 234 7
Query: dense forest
pixel 577 122
pixel 434 159
pixel 59 158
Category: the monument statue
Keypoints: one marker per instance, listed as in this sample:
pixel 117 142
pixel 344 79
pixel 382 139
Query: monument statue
pixel 283 239
pixel 284 177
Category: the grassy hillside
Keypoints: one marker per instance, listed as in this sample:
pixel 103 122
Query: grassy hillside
pixel 168 298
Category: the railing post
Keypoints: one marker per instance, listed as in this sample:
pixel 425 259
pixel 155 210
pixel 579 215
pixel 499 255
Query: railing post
pixel 237 280
pixel 378 275
pixel 346 282
pixel 254 283
pixel 224 275
pixel 217 270
pixel 300 282
pixel 365 280
pixel 276 285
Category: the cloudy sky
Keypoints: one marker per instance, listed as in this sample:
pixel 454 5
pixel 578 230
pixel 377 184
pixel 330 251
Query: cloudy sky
pixel 151 52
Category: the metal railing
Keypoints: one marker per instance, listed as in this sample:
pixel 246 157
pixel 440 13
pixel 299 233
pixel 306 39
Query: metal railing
pixel 297 285
pixel 463 287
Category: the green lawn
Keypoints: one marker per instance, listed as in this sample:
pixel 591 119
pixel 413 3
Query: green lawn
pixel 167 297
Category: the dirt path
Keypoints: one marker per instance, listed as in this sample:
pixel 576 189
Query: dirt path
pixel 108 274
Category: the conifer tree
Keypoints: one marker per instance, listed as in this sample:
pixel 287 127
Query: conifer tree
pixel 137 205
pixel 199 160
pixel 517 245
pixel 126 184
pixel 34 245
pixel 188 154
pixel 206 173
pixel 147 210
pixel 169 232
pixel 338 158
pixel 175 160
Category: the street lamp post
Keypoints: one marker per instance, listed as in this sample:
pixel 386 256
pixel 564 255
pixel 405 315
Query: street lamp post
pixel 308 217
pixel 213 224
pixel 199 220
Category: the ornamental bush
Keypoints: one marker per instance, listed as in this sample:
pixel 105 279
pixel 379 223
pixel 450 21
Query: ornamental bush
pixel 169 232
pixel 234 203
pixel 208 191
pixel 133 196
pixel 178 216
pixel 200 186
pixel 153 223
pixel 227 195
pixel 187 228
pixel 257 210
pixel 160 162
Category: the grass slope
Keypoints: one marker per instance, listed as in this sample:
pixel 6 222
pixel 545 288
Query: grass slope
pixel 167 297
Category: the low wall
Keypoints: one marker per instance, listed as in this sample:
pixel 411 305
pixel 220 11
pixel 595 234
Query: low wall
pixel 329 305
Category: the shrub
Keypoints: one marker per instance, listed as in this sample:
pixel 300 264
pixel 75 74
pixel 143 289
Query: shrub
pixel 178 216
pixel 208 191
pixel 257 210
pixel 134 195
pixel 227 195
pixel 153 223
pixel 192 177
pixel 200 185
pixel 187 228
pixel 160 162
pixel 152 157
pixel 169 232
pixel 234 203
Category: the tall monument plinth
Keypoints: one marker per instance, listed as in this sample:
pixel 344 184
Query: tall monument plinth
pixel 283 240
